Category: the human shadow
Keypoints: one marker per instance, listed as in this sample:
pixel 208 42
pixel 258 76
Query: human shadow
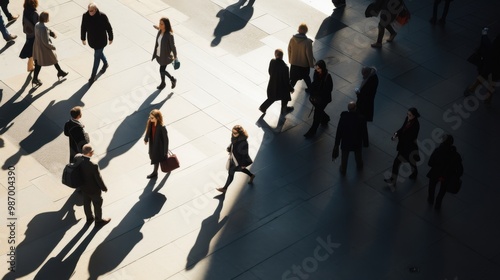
pixel 128 130
pixel 59 267
pixel 331 24
pixel 42 235
pixel 44 130
pixel 123 238
pixel 233 18
pixel 209 228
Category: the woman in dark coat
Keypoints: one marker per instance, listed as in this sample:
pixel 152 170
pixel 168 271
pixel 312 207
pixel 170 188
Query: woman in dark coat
pixel 165 51
pixel 239 158
pixel 30 18
pixel 407 147
pixel 446 165
pixel 366 93
pixel 321 95
pixel 157 137
pixel 279 87
pixel 43 50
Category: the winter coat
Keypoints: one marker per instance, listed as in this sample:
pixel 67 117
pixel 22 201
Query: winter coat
pixel 96 29
pixel 279 87
pixel 30 18
pixel 445 162
pixel 77 137
pixel 158 144
pixel 92 183
pixel 366 97
pixel 43 50
pixel 351 131
pixel 240 151
pixel 407 135
pixel 168 51
pixel 300 51
pixel 321 92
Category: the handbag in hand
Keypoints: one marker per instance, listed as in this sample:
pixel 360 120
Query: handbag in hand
pixel 177 64
pixel 170 162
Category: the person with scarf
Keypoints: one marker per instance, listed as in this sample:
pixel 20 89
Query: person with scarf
pixel 321 95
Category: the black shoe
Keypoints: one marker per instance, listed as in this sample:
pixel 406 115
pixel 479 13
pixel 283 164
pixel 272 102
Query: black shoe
pixel 91 80
pixel 10 38
pixel 36 83
pixel 262 110
pixel 102 222
pixel 104 68
pixel 152 175
pixel 62 74
pixel 161 86
pixel 90 220
pixel 174 82
pixel 13 18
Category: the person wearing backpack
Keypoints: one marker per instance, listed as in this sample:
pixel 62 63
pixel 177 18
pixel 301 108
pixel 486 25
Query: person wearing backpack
pixel 446 168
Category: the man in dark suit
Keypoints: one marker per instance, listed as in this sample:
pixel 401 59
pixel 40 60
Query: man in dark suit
pixel 351 135
pixel 92 186
pixel 74 129
pixel 279 87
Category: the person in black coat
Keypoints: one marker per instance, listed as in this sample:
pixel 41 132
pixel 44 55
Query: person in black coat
pixel 351 135
pixel 365 94
pixel 407 147
pixel 239 158
pixel 279 87
pixel 30 18
pixel 321 95
pixel 157 137
pixel 75 131
pixel 165 51
pixel 92 186
pixel 97 29
pixel 446 165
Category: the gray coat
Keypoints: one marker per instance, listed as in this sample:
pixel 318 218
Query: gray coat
pixel 167 48
pixel 43 50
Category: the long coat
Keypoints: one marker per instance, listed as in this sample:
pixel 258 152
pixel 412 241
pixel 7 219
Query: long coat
pixel 158 143
pixel 240 152
pixel 351 131
pixel 77 137
pixel 43 50
pixel 445 162
pixel 168 51
pixel 322 87
pixel 91 176
pixel 366 97
pixel 279 87
pixel 96 29
pixel 407 136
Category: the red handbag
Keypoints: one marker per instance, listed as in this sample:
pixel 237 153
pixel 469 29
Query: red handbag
pixel 170 163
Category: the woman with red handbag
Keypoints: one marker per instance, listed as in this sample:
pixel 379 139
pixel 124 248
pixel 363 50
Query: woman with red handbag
pixel 157 137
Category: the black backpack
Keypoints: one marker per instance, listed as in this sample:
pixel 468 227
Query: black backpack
pixel 72 176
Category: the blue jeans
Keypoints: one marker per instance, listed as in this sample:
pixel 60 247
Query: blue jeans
pixel 98 56
pixel 3 29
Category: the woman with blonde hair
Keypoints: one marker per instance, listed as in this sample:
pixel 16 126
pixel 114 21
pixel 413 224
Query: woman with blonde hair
pixel 157 137
pixel 239 158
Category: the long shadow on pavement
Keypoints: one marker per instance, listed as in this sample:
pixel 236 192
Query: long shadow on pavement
pixel 233 18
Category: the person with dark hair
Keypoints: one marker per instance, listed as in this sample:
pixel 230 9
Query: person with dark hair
pixel 446 166
pixel 442 20
pixel 279 87
pixel 407 147
pixel 365 94
pixel 351 135
pixel 388 10
pixel 92 186
pixel 5 33
pixel 30 18
pixel 338 3
pixel 75 132
pixel 157 137
pixel 321 95
pixel 97 29
pixel 5 8
pixel 300 56
pixel 43 50
pixel 165 51
pixel 239 158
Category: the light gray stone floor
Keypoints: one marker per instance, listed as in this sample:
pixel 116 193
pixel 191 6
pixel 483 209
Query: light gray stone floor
pixel 300 219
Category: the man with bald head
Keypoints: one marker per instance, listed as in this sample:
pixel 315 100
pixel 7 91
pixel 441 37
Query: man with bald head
pixel 351 135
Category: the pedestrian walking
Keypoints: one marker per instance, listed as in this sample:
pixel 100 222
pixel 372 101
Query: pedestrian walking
pixel 75 131
pixel 279 87
pixel 321 95
pixel 98 31
pixel 366 92
pixel 351 135
pixel 300 56
pixel 5 33
pixel 407 147
pixel 157 137
pixel 338 3
pixel 44 51
pixel 442 20
pixel 10 18
pixel 30 18
pixel 165 51
pixel 239 159
pixel 388 10
pixel 446 168
pixel 92 186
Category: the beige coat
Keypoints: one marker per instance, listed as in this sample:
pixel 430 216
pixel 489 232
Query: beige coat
pixel 43 50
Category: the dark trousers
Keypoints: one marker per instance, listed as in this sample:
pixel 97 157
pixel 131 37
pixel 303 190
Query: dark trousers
pixel 381 31
pixel 38 68
pixel 163 73
pixel 96 200
pixel 230 173
pixel 269 102
pixel 432 189
pixel 345 158
pixel 5 9
pixel 445 11
pixel 397 163
pixel 320 117
pixel 300 73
